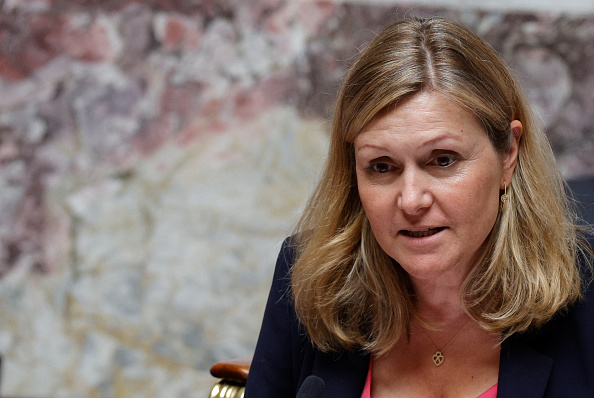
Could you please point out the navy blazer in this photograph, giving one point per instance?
(556, 360)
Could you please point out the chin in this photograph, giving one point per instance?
(434, 272)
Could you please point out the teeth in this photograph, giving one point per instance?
(422, 233)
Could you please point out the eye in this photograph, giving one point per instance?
(380, 167)
(444, 160)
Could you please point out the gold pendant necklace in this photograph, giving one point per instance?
(438, 357)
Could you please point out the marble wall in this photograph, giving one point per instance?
(154, 154)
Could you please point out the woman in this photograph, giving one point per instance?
(438, 256)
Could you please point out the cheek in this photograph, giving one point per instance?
(370, 202)
(378, 207)
(365, 193)
(475, 203)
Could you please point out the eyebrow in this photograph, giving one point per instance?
(443, 137)
(440, 137)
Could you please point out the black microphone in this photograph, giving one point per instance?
(312, 387)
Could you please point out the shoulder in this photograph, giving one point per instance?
(578, 319)
(280, 292)
(566, 342)
(280, 299)
(272, 372)
(286, 258)
(285, 356)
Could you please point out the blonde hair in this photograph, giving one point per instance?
(348, 292)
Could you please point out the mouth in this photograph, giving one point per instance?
(421, 233)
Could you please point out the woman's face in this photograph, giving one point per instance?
(429, 180)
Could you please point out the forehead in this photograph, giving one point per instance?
(429, 114)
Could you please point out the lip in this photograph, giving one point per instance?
(422, 234)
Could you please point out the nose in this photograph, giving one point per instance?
(414, 197)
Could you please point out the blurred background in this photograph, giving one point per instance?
(154, 154)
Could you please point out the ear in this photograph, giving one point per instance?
(510, 159)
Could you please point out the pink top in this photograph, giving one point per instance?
(490, 393)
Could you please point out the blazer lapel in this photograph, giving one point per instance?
(523, 371)
(344, 376)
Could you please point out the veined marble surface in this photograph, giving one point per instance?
(153, 156)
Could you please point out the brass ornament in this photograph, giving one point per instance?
(505, 196)
(438, 358)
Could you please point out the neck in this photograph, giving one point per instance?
(439, 304)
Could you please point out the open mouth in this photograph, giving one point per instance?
(422, 233)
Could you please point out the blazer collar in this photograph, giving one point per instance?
(344, 375)
(523, 371)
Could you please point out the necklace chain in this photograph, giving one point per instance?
(438, 357)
